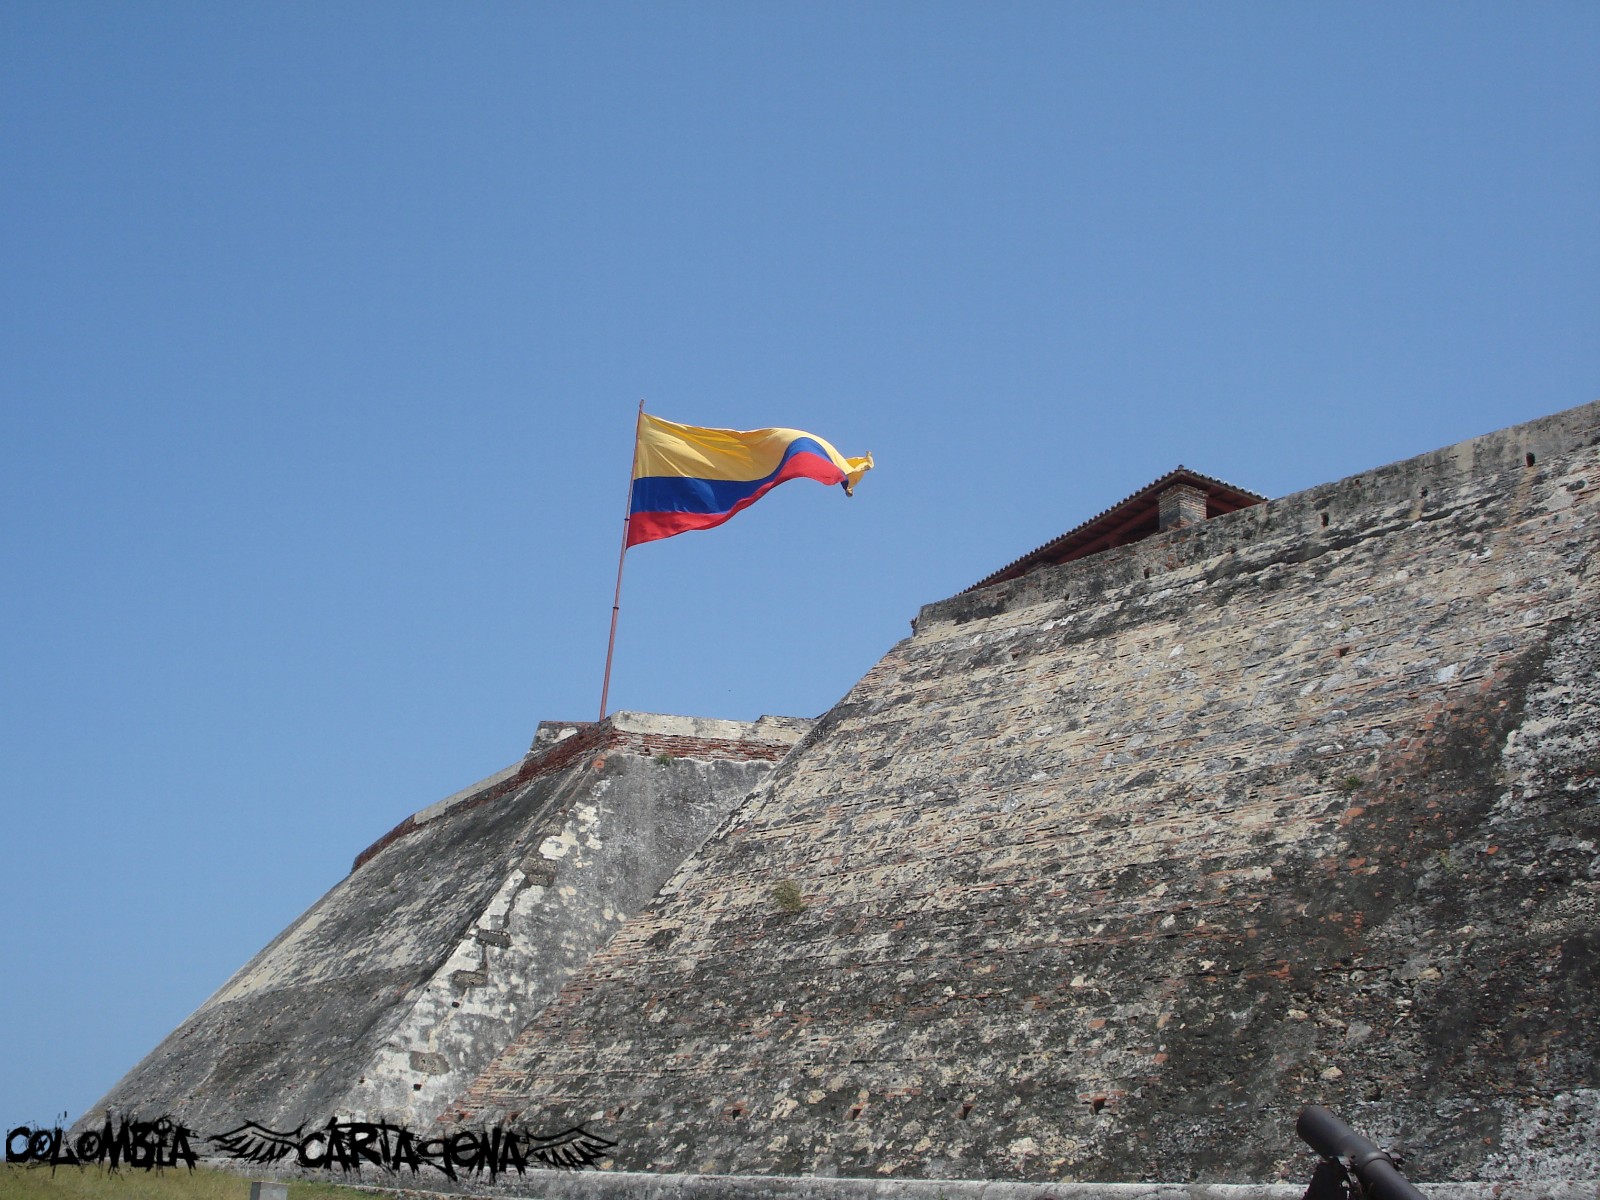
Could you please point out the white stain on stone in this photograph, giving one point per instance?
(559, 845)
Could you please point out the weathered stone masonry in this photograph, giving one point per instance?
(396, 988)
(1110, 868)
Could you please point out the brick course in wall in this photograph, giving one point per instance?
(1108, 869)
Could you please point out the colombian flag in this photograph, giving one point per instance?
(686, 477)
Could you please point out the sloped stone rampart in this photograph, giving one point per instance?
(1109, 869)
(449, 935)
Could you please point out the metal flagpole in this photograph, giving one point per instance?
(616, 601)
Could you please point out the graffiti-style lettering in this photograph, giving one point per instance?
(343, 1145)
(142, 1145)
(346, 1145)
(23, 1132)
(304, 1155)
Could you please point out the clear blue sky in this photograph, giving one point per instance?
(323, 325)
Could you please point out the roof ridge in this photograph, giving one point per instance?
(1003, 572)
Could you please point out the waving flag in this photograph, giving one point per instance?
(686, 477)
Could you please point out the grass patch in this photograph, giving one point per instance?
(33, 1182)
(788, 897)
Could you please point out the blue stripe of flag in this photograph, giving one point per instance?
(670, 493)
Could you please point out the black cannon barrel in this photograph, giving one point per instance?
(1332, 1138)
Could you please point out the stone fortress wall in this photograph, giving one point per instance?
(1102, 874)
(1109, 869)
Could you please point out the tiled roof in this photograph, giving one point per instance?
(1128, 520)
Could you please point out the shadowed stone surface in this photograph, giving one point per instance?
(1109, 869)
(453, 930)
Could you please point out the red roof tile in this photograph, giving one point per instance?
(1129, 520)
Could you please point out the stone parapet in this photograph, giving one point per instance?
(558, 743)
(1423, 488)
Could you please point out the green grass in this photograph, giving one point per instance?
(788, 896)
(173, 1183)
